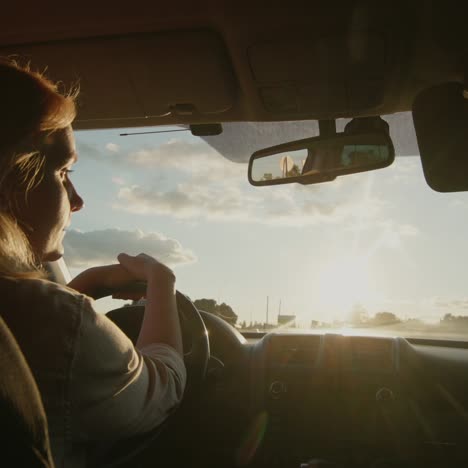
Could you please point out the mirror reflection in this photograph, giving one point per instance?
(327, 156)
(337, 155)
(280, 166)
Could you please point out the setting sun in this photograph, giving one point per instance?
(343, 283)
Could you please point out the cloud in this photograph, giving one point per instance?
(458, 204)
(280, 206)
(193, 158)
(217, 189)
(112, 147)
(406, 170)
(461, 303)
(95, 152)
(393, 233)
(87, 150)
(214, 188)
(118, 180)
(211, 187)
(102, 247)
(188, 201)
(408, 230)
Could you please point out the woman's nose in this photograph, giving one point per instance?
(76, 202)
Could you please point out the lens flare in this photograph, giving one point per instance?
(252, 439)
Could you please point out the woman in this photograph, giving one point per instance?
(95, 385)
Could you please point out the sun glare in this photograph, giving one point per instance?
(343, 283)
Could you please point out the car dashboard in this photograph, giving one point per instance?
(310, 400)
(357, 401)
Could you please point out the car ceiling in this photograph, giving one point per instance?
(199, 62)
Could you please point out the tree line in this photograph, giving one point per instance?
(359, 317)
(222, 310)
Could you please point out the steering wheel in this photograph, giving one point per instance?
(196, 358)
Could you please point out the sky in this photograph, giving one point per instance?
(381, 239)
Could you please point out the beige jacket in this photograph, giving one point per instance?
(94, 384)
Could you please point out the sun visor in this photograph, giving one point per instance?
(337, 74)
(185, 73)
(139, 76)
(440, 117)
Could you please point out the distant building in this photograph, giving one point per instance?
(288, 320)
(140, 302)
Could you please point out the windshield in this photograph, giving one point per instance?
(376, 252)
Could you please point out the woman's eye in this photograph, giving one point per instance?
(66, 172)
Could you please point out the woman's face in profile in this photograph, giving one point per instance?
(45, 213)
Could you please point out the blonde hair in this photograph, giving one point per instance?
(32, 107)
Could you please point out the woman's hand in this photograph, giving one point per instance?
(117, 280)
(161, 320)
(145, 268)
(106, 280)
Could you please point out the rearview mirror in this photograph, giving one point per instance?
(321, 159)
